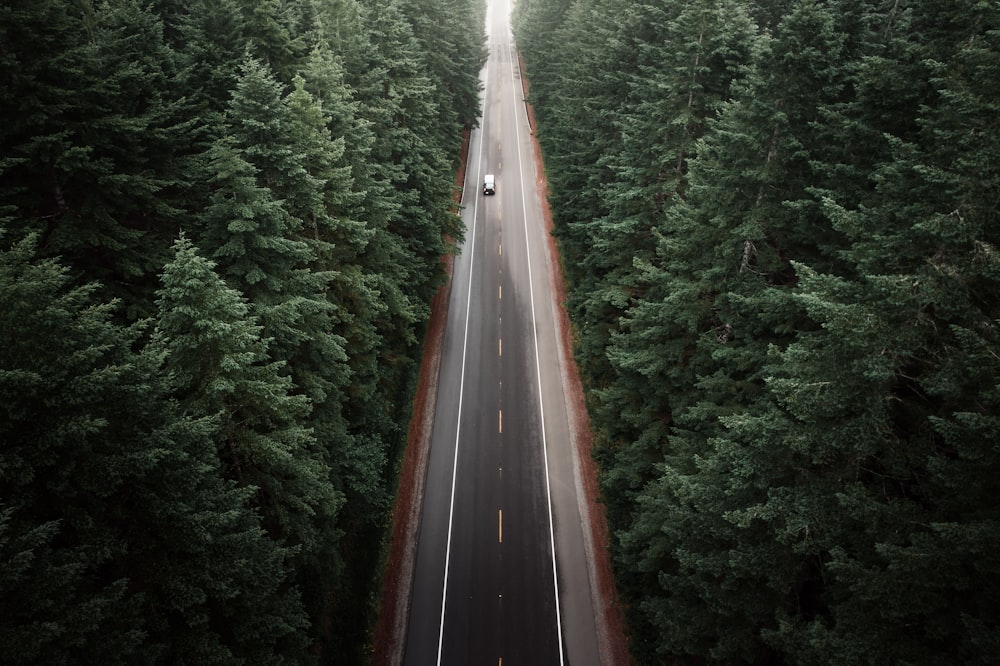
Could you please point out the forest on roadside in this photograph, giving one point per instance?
(780, 224)
(221, 226)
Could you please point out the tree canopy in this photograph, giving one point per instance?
(779, 225)
(221, 225)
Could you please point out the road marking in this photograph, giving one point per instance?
(500, 412)
(500, 347)
(451, 512)
(515, 76)
(500, 523)
(500, 292)
(461, 395)
(500, 249)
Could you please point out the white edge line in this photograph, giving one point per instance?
(538, 369)
(461, 385)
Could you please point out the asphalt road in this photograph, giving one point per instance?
(501, 572)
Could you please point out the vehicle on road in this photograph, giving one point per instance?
(489, 184)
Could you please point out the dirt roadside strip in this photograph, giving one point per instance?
(388, 640)
(389, 635)
(610, 618)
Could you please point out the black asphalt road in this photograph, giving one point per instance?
(501, 573)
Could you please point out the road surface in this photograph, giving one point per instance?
(501, 572)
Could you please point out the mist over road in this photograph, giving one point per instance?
(501, 571)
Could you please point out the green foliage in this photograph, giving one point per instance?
(778, 221)
(91, 135)
(454, 53)
(124, 542)
(218, 365)
(211, 484)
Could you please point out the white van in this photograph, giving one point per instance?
(489, 184)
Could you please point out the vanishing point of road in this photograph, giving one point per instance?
(501, 572)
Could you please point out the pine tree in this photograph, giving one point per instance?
(534, 23)
(341, 244)
(374, 201)
(211, 43)
(401, 103)
(674, 94)
(452, 41)
(735, 491)
(308, 150)
(577, 129)
(124, 542)
(293, 301)
(266, 252)
(244, 229)
(219, 367)
(52, 609)
(810, 343)
(94, 134)
(920, 240)
(272, 35)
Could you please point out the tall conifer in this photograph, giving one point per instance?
(127, 545)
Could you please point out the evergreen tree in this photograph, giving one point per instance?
(93, 136)
(534, 23)
(374, 202)
(577, 129)
(219, 367)
(125, 544)
(728, 258)
(267, 252)
(920, 242)
(308, 147)
(674, 94)
(54, 605)
(401, 103)
(790, 344)
(341, 243)
(211, 44)
(451, 38)
(272, 33)
(293, 298)
(249, 233)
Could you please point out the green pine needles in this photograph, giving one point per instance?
(779, 223)
(219, 239)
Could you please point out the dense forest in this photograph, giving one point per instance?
(780, 222)
(221, 225)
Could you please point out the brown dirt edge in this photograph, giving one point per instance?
(611, 628)
(389, 635)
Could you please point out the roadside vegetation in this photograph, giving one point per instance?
(221, 225)
(779, 222)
